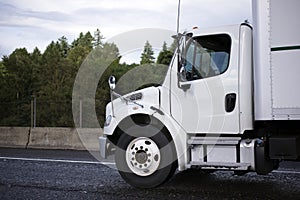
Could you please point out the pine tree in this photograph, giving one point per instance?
(97, 38)
(18, 88)
(164, 47)
(165, 56)
(64, 46)
(147, 55)
(36, 58)
(173, 46)
(84, 40)
(19, 68)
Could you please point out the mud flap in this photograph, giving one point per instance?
(263, 165)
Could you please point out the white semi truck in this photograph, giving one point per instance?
(230, 101)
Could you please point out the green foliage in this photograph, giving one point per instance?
(97, 38)
(63, 46)
(173, 46)
(84, 40)
(141, 76)
(18, 67)
(16, 87)
(50, 76)
(147, 55)
(165, 56)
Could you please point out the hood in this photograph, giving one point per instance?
(141, 98)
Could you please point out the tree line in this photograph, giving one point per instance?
(48, 78)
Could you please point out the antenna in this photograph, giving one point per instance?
(178, 37)
(178, 16)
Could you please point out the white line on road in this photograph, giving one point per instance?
(54, 160)
(285, 172)
(105, 163)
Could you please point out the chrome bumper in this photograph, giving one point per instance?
(103, 144)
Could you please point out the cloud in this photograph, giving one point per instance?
(209, 13)
(32, 23)
(29, 36)
(130, 18)
(21, 27)
(11, 13)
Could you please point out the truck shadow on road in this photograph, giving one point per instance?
(227, 185)
(196, 184)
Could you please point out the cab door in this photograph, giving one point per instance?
(204, 89)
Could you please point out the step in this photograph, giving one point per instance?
(214, 140)
(220, 166)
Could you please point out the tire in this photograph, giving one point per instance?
(145, 157)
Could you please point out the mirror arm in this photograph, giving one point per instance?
(112, 104)
(112, 85)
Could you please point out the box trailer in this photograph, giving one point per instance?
(230, 101)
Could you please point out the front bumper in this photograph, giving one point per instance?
(103, 146)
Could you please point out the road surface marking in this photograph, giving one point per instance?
(104, 163)
(285, 172)
(55, 160)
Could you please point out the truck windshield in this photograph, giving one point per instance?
(207, 56)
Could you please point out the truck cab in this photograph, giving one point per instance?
(206, 112)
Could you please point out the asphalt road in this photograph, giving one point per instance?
(53, 174)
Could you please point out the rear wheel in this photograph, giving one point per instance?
(145, 157)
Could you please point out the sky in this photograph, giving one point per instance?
(35, 23)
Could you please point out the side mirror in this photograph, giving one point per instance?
(112, 82)
(182, 80)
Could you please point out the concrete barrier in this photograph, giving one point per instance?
(89, 137)
(50, 138)
(15, 137)
(64, 138)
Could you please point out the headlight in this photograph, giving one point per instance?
(108, 120)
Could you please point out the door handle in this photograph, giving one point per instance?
(230, 101)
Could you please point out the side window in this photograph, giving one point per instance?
(207, 56)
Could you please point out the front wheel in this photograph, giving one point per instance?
(145, 157)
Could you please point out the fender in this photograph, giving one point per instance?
(153, 110)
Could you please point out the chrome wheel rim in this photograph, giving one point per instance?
(143, 156)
